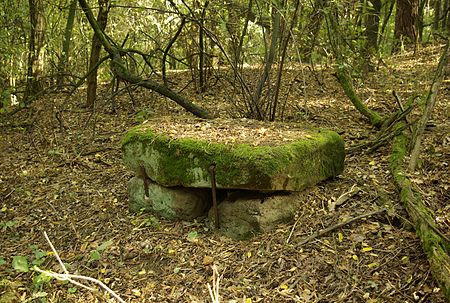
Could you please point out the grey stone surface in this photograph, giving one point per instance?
(249, 215)
(168, 202)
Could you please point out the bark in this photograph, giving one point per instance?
(372, 25)
(102, 19)
(66, 43)
(444, 15)
(371, 33)
(345, 81)
(429, 105)
(437, 14)
(434, 243)
(201, 56)
(119, 68)
(35, 49)
(406, 21)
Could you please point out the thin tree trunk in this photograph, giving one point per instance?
(284, 47)
(201, 56)
(102, 19)
(66, 43)
(35, 49)
(437, 14)
(257, 109)
(372, 25)
(371, 33)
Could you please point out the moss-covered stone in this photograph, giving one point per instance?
(185, 162)
(169, 202)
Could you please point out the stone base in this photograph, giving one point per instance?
(168, 202)
(245, 216)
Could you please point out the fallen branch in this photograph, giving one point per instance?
(434, 243)
(120, 70)
(70, 278)
(346, 83)
(429, 105)
(337, 226)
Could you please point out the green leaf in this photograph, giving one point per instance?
(41, 279)
(72, 290)
(2, 261)
(192, 236)
(10, 224)
(20, 264)
(104, 245)
(95, 255)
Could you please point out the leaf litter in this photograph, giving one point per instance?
(65, 176)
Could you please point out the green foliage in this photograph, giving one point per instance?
(96, 254)
(4, 225)
(39, 255)
(20, 264)
(192, 236)
(143, 115)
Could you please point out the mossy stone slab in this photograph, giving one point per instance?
(315, 156)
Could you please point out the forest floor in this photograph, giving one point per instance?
(62, 173)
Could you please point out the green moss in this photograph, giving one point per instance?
(186, 161)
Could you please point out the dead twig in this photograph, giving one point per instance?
(66, 276)
(339, 225)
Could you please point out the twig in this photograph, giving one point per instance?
(292, 231)
(339, 225)
(214, 289)
(344, 197)
(69, 277)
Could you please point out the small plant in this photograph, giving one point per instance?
(7, 225)
(96, 254)
(20, 264)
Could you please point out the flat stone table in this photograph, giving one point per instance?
(247, 154)
(256, 165)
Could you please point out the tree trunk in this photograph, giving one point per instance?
(312, 29)
(35, 49)
(371, 33)
(406, 21)
(102, 19)
(444, 15)
(420, 25)
(201, 55)
(437, 14)
(66, 43)
(372, 25)
(434, 243)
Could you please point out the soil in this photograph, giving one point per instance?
(61, 173)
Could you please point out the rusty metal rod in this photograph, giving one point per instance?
(212, 172)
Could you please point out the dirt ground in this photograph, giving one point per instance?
(61, 173)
